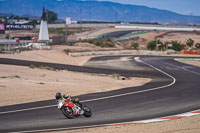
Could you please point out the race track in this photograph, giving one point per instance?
(173, 90)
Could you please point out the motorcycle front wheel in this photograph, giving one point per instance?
(68, 112)
(87, 111)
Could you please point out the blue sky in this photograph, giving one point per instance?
(186, 7)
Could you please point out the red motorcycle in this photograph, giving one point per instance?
(71, 109)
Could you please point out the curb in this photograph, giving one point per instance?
(173, 117)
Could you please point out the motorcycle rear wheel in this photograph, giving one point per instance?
(87, 111)
(68, 112)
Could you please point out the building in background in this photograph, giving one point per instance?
(20, 21)
(2, 29)
(69, 21)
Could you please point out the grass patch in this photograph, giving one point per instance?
(42, 67)
(16, 76)
(2, 47)
(107, 42)
(47, 68)
(41, 83)
(32, 66)
(66, 31)
(3, 77)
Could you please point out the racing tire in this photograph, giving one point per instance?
(68, 112)
(87, 111)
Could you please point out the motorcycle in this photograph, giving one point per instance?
(71, 110)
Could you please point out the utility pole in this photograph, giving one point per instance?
(81, 18)
(116, 15)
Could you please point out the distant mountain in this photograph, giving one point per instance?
(30, 16)
(5, 15)
(96, 11)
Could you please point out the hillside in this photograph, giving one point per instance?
(95, 11)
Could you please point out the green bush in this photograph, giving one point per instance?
(135, 45)
(102, 43)
(32, 66)
(98, 43)
(177, 46)
(152, 45)
(91, 41)
(197, 45)
(190, 42)
(3, 77)
(16, 76)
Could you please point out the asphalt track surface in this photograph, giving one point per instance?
(116, 34)
(173, 90)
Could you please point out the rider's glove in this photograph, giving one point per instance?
(76, 100)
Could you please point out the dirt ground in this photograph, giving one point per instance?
(191, 62)
(19, 82)
(143, 40)
(24, 84)
(56, 55)
(181, 37)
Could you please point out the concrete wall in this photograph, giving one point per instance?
(120, 52)
(152, 27)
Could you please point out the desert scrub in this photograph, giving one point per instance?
(46, 68)
(42, 67)
(16, 76)
(32, 66)
(3, 77)
(41, 83)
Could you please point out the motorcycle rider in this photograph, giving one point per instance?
(65, 97)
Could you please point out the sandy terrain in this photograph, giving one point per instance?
(191, 62)
(24, 84)
(143, 39)
(181, 37)
(56, 55)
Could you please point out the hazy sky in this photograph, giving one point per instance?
(187, 7)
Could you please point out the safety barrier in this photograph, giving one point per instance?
(119, 52)
(190, 52)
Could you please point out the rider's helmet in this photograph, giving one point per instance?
(66, 96)
(58, 95)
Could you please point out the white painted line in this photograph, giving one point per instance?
(112, 124)
(152, 120)
(138, 59)
(152, 89)
(157, 28)
(182, 68)
(59, 129)
(108, 97)
(188, 114)
(14, 111)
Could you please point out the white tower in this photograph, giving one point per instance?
(44, 34)
(68, 20)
